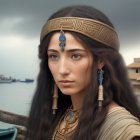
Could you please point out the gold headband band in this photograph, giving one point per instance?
(94, 29)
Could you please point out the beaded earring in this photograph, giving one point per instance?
(100, 91)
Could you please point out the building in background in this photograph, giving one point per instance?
(134, 75)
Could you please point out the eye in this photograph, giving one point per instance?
(53, 57)
(76, 56)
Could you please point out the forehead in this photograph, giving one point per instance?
(71, 42)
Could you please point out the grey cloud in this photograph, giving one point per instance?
(124, 14)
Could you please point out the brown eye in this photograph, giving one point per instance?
(53, 57)
(76, 56)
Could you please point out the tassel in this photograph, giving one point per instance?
(55, 100)
(100, 97)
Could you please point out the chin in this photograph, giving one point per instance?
(68, 92)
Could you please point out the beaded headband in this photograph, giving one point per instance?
(93, 29)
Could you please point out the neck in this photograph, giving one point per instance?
(77, 101)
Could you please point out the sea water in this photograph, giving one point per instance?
(16, 98)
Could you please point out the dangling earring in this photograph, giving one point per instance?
(55, 100)
(100, 92)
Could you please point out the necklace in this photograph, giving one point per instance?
(70, 122)
(67, 124)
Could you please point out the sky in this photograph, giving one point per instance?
(21, 22)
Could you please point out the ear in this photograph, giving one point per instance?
(100, 64)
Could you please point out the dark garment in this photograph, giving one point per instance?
(136, 138)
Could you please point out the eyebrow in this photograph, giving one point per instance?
(71, 50)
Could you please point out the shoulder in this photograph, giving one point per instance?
(120, 124)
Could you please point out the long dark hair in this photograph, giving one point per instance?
(116, 84)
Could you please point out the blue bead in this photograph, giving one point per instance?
(62, 37)
(100, 76)
(71, 114)
(61, 44)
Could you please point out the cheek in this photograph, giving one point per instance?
(52, 69)
(83, 71)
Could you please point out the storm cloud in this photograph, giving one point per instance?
(21, 22)
(27, 17)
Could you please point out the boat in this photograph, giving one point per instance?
(27, 81)
(16, 123)
(4, 79)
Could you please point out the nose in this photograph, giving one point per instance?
(64, 67)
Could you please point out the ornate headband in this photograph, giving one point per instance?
(94, 29)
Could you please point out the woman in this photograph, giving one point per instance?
(83, 90)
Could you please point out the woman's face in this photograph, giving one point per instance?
(71, 69)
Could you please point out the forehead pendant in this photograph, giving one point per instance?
(62, 40)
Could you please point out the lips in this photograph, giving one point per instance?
(66, 82)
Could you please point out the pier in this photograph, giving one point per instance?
(19, 121)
